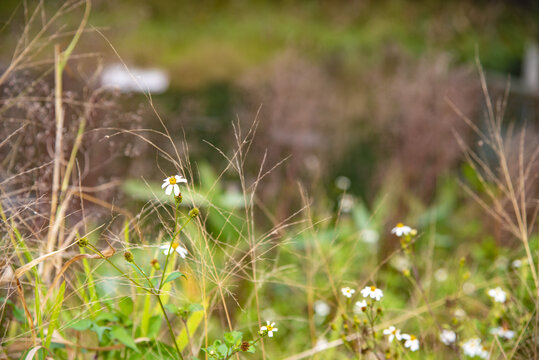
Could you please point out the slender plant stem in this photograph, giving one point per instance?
(95, 250)
(173, 337)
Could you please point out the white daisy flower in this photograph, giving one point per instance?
(321, 308)
(346, 291)
(269, 328)
(503, 332)
(174, 248)
(393, 333)
(171, 183)
(498, 294)
(373, 292)
(411, 342)
(516, 263)
(360, 306)
(473, 347)
(448, 337)
(401, 230)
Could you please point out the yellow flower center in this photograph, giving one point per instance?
(399, 225)
(175, 245)
(394, 332)
(412, 337)
(373, 288)
(269, 327)
(172, 180)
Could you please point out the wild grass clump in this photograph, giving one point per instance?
(188, 268)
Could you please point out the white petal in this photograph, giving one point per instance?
(168, 191)
(165, 246)
(270, 333)
(164, 184)
(263, 328)
(275, 329)
(176, 190)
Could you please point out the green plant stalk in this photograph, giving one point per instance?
(169, 326)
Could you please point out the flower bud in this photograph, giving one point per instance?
(155, 264)
(128, 256)
(194, 212)
(83, 242)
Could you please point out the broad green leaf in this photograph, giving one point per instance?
(106, 316)
(120, 334)
(173, 276)
(233, 337)
(99, 330)
(126, 306)
(81, 325)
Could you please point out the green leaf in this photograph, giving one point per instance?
(155, 325)
(126, 306)
(106, 316)
(99, 330)
(233, 337)
(120, 334)
(81, 325)
(173, 276)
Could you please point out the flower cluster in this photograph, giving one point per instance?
(410, 341)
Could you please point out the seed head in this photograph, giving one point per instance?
(83, 242)
(128, 256)
(194, 212)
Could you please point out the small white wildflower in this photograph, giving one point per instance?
(441, 275)
(516, 263)
(392, 333)
(346, 291)
(448, 336)
(360, 306)
(343, 183)
(401, 230)
(411, 342)
(373, 292)
(369, 236)
(269, 328)
(503, 332)
(171, 183)
(346, 203)
(174, 248)
(459, 313)
(321, 308)
(473, 347)
(498, 294)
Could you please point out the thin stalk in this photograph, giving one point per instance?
(95, 250)
(169, 327)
